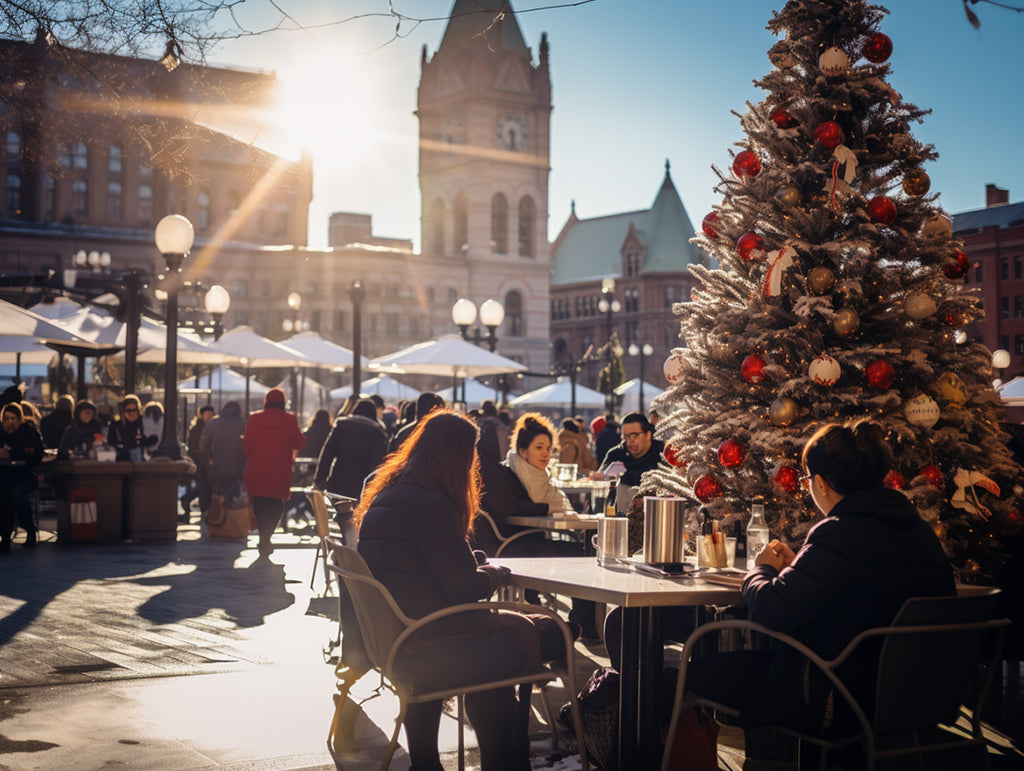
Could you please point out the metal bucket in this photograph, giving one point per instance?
(664, 520)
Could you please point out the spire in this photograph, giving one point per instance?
(491, 20)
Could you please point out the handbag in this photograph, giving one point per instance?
(599, 712)
(695, 747)
(230, 519)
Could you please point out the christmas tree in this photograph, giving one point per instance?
(839, 294)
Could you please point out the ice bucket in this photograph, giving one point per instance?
(663, 529)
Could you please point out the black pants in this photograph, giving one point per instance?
(268, 513)
(676, 624)
(16, 504)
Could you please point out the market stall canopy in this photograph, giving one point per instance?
(630, 393)
(389, 389)
(256, 351)
(323, 352)
(559, 394)
(448, 356)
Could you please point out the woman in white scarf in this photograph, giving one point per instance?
(528, 458)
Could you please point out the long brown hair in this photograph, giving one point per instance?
(440, 455)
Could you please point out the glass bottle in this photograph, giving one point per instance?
(757, 531)
(609, 504)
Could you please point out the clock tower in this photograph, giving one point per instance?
(484, 109)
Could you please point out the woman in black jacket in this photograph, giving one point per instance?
(414, 519)
(22, 449)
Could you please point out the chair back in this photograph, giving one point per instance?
(924, 676)
(380, 618)
(323, 517)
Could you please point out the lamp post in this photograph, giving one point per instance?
(217, 302)
(609, 306)
(98, 261)
(356, 294)
(492, 314)
(643, 352)
(174, 236)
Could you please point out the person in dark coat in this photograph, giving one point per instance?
(854, 571)
(638, 451)
(79, 436)
(606, 438)
(414, 519)
(126, 434)
(199, 487)
(221, 446)
(271, 441)
(317, 431)
(425, 402)
(356, 446)
(22, 448)
(52, 426)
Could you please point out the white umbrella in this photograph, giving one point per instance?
(257, 351)
(322, 352)
(22, 332)
(226, 385)
(1011, 393)
(389, 389)
(447, 356)
(476, 392)
(313, 394)
(630, 393)
(559, 394)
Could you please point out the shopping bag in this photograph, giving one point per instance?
(695, 745)
(230, 519)
(84, 525)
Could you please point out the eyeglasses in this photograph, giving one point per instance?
(636, 435)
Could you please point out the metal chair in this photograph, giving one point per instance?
(929, 666)
(503, 540)
(385, 628)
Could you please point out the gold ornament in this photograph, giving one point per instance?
(789, 195)
(937, 228)
(916, 182)
(821, 280)
(919, 306)
(783, 411)
(846, 322)
(951, 389)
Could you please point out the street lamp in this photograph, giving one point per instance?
(98, 261)
(173, 236)
(492, 314)
(609, 306)
(217, 302)
(643, 352)
(294, 323)
(357, 294)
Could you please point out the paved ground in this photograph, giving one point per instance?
(193, 655)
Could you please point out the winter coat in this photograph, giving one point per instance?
(24, 445)
(354, 448)
(78, 437)
(221, 443)
(52, 427)
(538, 485)
(127, 435)
(315, 435)
(272, 436)
(410, 539)
(573, 448)
(635, 467)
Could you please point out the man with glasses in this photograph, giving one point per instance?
(638, 451)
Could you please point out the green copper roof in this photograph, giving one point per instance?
(470, 18)
(590, 249)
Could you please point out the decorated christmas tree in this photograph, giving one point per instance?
(839, 293)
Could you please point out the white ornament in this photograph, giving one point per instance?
(922, 411)
(778, 262)
(824, 370)
(675, 367)
(937, 228)
(1001, 358)
(919, 306)
(834, 62)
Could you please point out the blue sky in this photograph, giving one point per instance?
(635, 82)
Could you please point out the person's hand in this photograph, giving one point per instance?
(787, 554)
(497, 574)
(770, 557)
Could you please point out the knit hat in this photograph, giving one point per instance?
(274, 396)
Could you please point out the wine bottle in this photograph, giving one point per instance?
(609, 504)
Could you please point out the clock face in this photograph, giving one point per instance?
(512, 133)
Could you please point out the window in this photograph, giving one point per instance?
(499, 224)
(430, 295)
(13, 150)
(460, 222)
(670, 296)
(115, 199)
(979, 273)
(1004, 342)
(1004, 306)
(1004, 269)
(632, 297)
(453, 295)
(340, 318)
(282, 213)
(64, 155)
(80, 156)
(1018, 306)
(391, 324)
(13, 196)
(514, 326)
(114, 160)
(203, 215)
(632, 263)
(240, 289)
(527, 224)
(146, 207)
(316, 320)
(1018, 266)
(671, 336)
(1018, 343)
(49, 198)
(80, 198)
(435, 228)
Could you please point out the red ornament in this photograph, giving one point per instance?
(882, 210)
(954, 317)
(672, 456)
(879, 374)
(750, 246)
(878, 48)
(934, 476)
(746, 164)
(1013, 515)
(706, 488)
(958, 267)
(752, 368)
(788, 478)
(708, 225)
(732, 453)
(829, 135)
(894, 480)
(780, 117)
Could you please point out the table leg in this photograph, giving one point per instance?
(629, 679)
(640, 689)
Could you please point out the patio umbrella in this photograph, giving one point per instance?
(448, 355)
(312, 395)
(630, 394)
(476, 392)
(321, 352)
(227, 385)
(559, 394)
(254, 350)
(389, 389)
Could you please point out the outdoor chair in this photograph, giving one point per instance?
(503, 540)
(939, 654)
(385, 628)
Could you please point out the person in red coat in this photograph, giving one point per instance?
(271, 441)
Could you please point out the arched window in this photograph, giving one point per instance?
(514, 323)
(146, 207)
(115, 198)
(527, 222)
(80, 198)
(203, 218)
(499, 224)
(460, 222)
(13, 149)
(435, 228)
(114, 160)
(80, 156)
